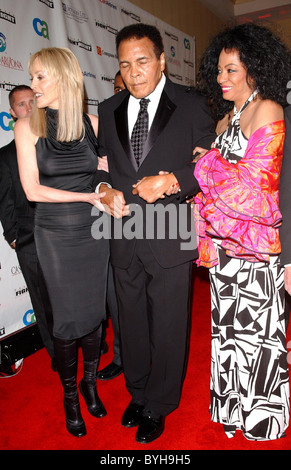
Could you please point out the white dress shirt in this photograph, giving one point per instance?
(134, 107)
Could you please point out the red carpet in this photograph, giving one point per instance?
(32, 416)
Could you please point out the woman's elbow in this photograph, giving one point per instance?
(31, 195)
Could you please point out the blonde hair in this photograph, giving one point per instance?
(63, 66)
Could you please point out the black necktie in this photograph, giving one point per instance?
(140, 130)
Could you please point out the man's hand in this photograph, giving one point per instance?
(287, 279)
(152, 188)
(114, 202)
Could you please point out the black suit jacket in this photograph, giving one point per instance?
(181, 123)
(285, 193)
(16, 212)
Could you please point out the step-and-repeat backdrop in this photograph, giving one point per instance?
(88, 28)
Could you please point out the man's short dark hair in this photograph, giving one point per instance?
(139, 31)
(14, 90)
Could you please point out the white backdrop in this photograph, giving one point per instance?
(88, 28)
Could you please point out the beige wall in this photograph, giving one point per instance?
(194, 18)
(190, 16)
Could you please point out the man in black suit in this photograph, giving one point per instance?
(17, 219)
(285, 208)
(152, 266)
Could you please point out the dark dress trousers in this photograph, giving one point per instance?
(17, 219)
(153, 264)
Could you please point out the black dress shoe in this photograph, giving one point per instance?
(93, 402)
(110, 372)
(132, 415)
(149, 429)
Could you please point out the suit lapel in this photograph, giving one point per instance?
(164, 112)
(121, 123)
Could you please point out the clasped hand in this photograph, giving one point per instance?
(152, 188)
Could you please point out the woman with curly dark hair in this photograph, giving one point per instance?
(245, 70)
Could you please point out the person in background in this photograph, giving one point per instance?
(57, 159)
(245, 68)
(152, 276)
(118, 83)
(114, 369)
(17, 219)
(284, 204)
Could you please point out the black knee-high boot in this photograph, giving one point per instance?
(91, 353)
(66, 354)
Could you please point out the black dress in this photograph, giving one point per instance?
(74, 264)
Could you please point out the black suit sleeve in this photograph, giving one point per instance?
(285, 194)
(204, 136)
(7, 199)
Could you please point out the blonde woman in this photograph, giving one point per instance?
(57, 159)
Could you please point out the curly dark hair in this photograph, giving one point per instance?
(266, 58)
(139, 31)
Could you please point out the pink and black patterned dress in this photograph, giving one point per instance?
(237, 219)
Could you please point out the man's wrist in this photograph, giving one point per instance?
(99, 189)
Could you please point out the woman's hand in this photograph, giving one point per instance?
(94, 199)
(198, 153)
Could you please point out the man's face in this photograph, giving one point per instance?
(140, 69)
(22, 104)
(118, 84)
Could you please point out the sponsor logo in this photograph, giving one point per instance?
(133, 16)
(2, 42)
(109, 4)
(7, 17)
(73, 14)
(48, 3)
(40, 27)
(6, 86)
(29, 317)
(11, 63)
(176, 76)
(92, 102)
(101, 52)
(89, 75)
(106, 27)
(189, 63)
(172, 36)
(15, 270)
(173, 61)
(20, 291)
(104, 78)
(187, 44)
(81, 44)
(6, 121)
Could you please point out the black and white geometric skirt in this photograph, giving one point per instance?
(249, 369)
